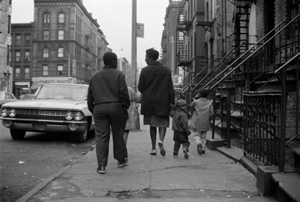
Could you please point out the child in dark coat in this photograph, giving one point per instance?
(181, 129)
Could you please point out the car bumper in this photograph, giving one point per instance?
(45, 125)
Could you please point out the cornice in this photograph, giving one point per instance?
(55, 3)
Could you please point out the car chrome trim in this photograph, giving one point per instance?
(42, 120)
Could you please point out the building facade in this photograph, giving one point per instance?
(168, 42)
(252, 70)
(68, 44)
(21, 57)
(6, 73)
(125, 67)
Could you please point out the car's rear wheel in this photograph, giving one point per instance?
(82, 136)
(17, 134)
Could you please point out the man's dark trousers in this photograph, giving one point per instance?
(110, 116)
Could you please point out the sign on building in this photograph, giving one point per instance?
(140, 30)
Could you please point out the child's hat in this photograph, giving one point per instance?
(179, 103)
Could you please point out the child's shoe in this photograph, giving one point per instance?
(199, 149)
(185, 153)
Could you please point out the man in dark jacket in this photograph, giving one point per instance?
(108, 100)
(156, 86)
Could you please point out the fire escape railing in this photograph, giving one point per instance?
(264, 107)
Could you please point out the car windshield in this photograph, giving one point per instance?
(1, 95)
(73, 92)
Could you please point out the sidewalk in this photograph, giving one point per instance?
(209, 177)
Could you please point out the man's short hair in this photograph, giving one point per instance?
(152, 53)
(109, 57)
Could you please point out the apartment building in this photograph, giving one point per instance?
(6, 73)
(21, 57)
(125, 67)
(68, 43)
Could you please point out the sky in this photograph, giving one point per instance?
(114, 18)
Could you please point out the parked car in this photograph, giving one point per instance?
(59, 108)
(27, 97)
(6, 97)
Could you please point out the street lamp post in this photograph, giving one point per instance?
(69, 65)
(171, 38)
(134, 44)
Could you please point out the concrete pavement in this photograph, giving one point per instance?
(209, 177)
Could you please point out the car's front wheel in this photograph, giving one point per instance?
(17, 134)
(82, 136)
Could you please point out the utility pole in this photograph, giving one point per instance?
(134, 45)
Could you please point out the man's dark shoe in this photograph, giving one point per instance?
(123, 163)
(101, 170)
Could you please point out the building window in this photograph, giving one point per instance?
(7, 55)
(45, 53)
(61, 18)
(18, 39)
(46, 35)
(27, 56)
(27, 71)
(27, 39)
(8, 24)
(60, 70)
(45, 70)
(18, 72)
(18, 55)
(60, 52)
(46, 18)
(61, 34)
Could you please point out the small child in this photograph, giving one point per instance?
(181, 129)
(202, 113)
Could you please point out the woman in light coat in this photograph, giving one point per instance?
(133, 114)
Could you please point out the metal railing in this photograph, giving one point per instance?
(262, 79)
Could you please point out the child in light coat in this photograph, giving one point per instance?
(202, 113)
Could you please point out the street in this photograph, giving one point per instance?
(26, 163)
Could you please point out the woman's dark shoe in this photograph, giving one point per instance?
(101, 170)
(162, 149)
(153, 152)
(199, 149)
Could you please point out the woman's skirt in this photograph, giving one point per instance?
(156, 121)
